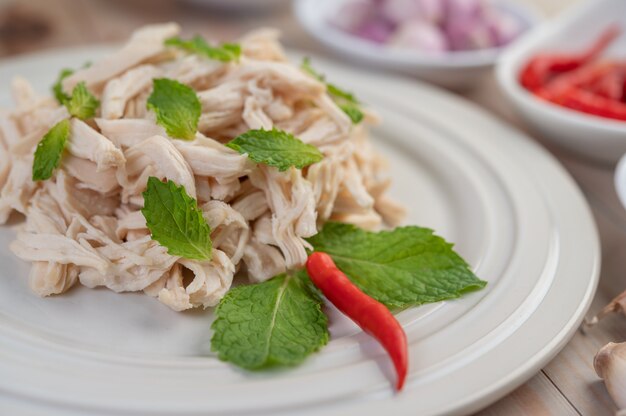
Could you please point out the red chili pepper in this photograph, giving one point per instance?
(590, 103)
(611, 85)
(584, 76)
(539, 70)
(372, 316)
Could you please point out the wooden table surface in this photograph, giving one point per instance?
(566, 386)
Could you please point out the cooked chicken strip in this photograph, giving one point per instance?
(129, 132)
(369, 220)
(210, 158)
(9, 131)
(254, 115)
(129, 221)
(326, 178)
(121, 89)
(76, 201)
(48, 278)
(281, 77)
(87, 143)
(144, 43)
(263, 261)
(170, 290)
(88, 175)
(26, 144)
(391, 211)
(224, 189)
(18, 189)
(23, 92)
(212, 279)
(166, 159)
(292, 203)
(251, 206)
(194, 69)
(218, 213)
(56, 248)
(262, 44)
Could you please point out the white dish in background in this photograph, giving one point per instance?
(510, 208)
(594, 137)
(620, 180)
(455, 70)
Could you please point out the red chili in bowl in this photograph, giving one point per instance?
(580, 81)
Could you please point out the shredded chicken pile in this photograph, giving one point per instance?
(85, 224)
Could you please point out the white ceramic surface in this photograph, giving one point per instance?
(590, 136)
(456, 70)
(620, 180)
(513, 212)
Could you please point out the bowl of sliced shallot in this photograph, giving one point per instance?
(451, 43)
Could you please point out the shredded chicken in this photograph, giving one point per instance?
(84, 225)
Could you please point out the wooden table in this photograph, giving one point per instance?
(566, 386)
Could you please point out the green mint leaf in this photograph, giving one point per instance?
(82, 103)
(57, 87)
(275, 323)
(49, 151)
(341, 95)
(276, 148)
(344, 99)
(176, 106)
(225, 52)
(404, 267)
(353, 111)
(308, 68)
(175, 221)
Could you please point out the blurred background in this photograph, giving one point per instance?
(28, 26)
(32, 25)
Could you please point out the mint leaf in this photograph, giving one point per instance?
(82, 103)
(275, 323)
(176, 106)
(404, 267)
(306, 67)
(353, 111)
(225, 52)
(341, 95)
(344, 99)
(175, 221)
(276, 148)
(57, 87)
(49, 151)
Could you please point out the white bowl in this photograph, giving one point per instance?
(594, 137)
(454, 70)
(620, 180)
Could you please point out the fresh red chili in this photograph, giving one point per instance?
(574, 81)
(372, 316)
(612, 85)
(540, 69)
(586, 75)
(590, 103)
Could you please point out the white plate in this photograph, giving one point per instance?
(512, 211)
(594, 137)
(456, 70)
